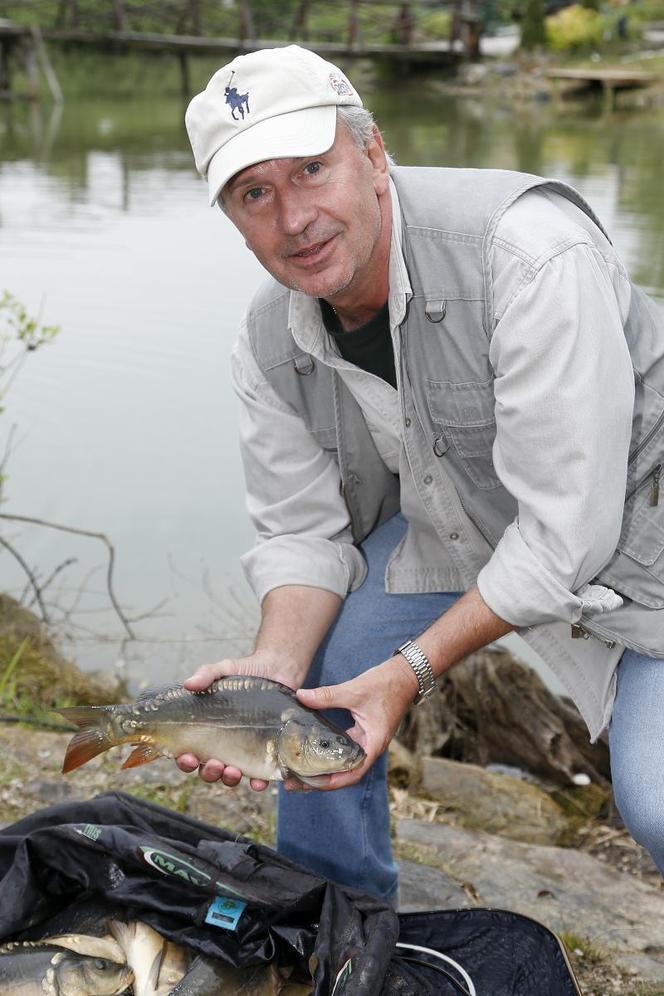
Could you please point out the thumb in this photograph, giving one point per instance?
(206, 674)
(325, 697)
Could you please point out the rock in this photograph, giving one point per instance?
(473, 73)
(491, 708)
(424, 888)
(565, 889)
(404, 767)
(494, 802)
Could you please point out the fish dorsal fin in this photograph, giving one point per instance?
(143, 754)
(162, 692)
(155, 968)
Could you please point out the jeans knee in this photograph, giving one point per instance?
(642, 811)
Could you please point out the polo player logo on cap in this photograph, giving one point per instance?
(237, 101)
(340, 85)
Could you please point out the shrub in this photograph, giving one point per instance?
(574, 28)
(434, 25)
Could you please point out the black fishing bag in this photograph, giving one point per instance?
(224, 896)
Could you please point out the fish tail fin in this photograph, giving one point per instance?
(90, 740)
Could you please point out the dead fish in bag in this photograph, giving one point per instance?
(253, 723)
(212, 977)
(33, 969)
(157, 964)
(102, 946)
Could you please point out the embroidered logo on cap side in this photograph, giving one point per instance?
(340, 85)
(236, 101)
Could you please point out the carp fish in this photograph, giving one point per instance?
(156, 963)
(32, 969)
(211, 977)
(253, 723)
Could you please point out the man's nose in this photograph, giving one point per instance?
(296, 212)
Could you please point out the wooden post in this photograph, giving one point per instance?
(31, 71)
(352, 23)
(185, 84)
(119, 16)
(299, 27)
(189, 20)
(46, 65)
(471, 28)
(5, 68)
(247, 30)
(67, 8)
(195, 16)
(403, 25)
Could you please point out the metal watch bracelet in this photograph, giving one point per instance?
(419, 662)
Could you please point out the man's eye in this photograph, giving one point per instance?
(254, 194)
(312, 168)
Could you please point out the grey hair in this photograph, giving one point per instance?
(360, 124)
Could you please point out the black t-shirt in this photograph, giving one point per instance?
(369, 346)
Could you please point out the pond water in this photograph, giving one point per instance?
(125, 425)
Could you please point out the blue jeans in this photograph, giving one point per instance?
(636, 738)
(345, 835)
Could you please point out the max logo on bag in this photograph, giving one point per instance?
(172, 864)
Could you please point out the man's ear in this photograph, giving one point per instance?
(378, 159)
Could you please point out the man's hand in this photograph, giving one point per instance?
(259, 664)
(284, 649)
(377, 700)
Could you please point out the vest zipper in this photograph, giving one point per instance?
(644, 442)
(655, 474)
(579, 632)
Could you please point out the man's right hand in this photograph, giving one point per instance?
(294, 619)
(259, 664)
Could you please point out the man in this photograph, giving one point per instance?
(452, 426)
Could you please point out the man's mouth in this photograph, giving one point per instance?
(315, 249)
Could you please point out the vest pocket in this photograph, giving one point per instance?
(637, 570)
(465, 415)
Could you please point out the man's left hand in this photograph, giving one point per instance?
(377, 700)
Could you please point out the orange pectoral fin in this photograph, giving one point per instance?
(143, 754)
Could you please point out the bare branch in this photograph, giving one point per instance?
(151, 613)
(33, 580)
(52, 576)
(7, 453)
(83, 532)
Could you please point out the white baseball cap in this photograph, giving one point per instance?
(271, 104)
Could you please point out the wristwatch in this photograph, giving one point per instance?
(419, 662)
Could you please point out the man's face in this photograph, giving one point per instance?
(319, 225)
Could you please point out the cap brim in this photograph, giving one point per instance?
(308, 132)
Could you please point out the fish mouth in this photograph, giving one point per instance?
(356, 757)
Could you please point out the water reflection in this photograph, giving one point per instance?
(127, 423)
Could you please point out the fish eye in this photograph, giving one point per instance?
(102, 964)
(323, 743)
